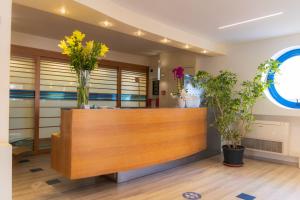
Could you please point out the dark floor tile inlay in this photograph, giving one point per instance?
(53, 181)
(191, 195)
(36, 169)
(246, 196)
(24, 161)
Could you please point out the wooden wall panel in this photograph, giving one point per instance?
(36, 143)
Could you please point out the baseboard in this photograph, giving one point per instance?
(270, 157)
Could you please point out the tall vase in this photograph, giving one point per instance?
(83, 88)
(180, 103)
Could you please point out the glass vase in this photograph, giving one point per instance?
(181, 103)
(83, 89)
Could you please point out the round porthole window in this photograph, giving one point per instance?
(286, 88)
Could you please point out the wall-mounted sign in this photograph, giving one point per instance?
(155, 87)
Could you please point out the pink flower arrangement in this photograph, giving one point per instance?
(178, 72)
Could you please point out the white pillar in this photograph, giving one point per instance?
(5, 148)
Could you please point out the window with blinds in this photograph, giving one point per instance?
(22, 94)
(133, 89)
(103, 87)
(58, 89)
(113, 84)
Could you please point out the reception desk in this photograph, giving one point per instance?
(105, 141)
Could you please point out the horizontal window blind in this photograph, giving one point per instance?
(133, 88)
(58, 89)
(21, 103)
(103, 87)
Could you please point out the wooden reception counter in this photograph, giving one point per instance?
(104, 141)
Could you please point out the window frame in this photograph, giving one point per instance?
(282, 56)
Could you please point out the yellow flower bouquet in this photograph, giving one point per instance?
(83, 61)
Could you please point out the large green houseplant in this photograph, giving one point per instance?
(232, 105)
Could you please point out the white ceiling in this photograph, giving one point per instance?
(203, 17)
(36, 22)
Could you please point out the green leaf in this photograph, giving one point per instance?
(233, 109)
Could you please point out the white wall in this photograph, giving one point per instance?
(5, 148)
(38, 42)
(243, 59)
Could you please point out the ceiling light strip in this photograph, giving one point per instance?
(251, 20)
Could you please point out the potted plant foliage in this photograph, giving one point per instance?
(83, 61)
(232, 105)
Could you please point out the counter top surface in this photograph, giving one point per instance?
(132, 108)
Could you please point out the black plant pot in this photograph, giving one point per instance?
(233, 157)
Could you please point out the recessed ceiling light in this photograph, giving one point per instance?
(106, 24)
(139, 33)
(251, 20)
(186, 46)
(63, 10)
(165, 40)
(204, 51)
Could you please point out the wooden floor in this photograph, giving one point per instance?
(209, 177)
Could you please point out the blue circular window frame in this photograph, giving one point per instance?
(272, 90)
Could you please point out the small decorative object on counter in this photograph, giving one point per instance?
(193, 94)
(192, 101)
(181, 101)
(178, 73)
(179, 93)
(94, 107)
(83, 60)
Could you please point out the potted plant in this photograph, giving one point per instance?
(83, 60)
(179, 93)
(232, 106)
